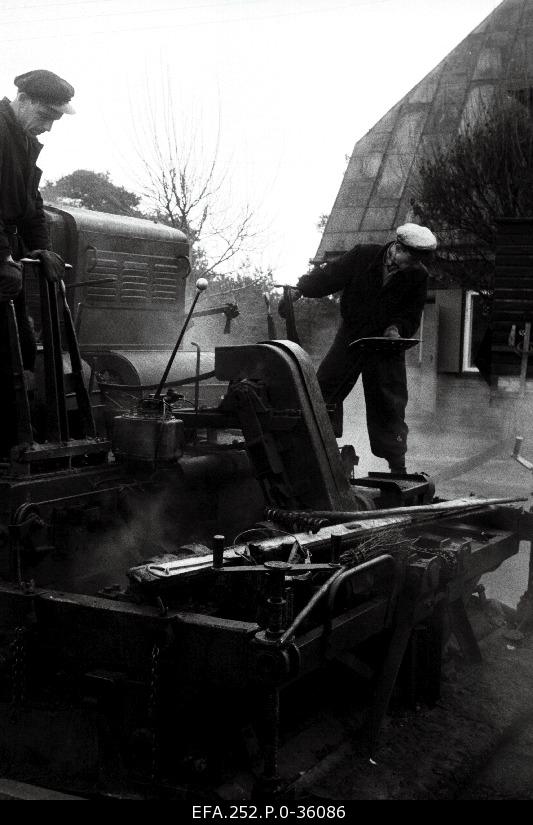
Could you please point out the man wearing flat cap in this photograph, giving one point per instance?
(384, 289)
(42, 98)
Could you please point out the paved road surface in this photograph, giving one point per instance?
(461, 432)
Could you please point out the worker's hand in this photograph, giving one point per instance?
(282, 309)
(53, 264)
(392, 332)
(10, 279)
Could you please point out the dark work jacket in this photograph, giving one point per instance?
(368, 307)
(21, 205)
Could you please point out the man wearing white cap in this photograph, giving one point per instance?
(42, 98)
(384, 289)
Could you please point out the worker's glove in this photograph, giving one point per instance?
(282, 307)
(52, 264)
(10, 279)
(392, 332)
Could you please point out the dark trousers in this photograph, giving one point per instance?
(385, 388)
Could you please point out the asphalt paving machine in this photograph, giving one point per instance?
(178, 575)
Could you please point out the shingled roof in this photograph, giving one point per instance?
(375, 193)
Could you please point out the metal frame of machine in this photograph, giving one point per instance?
(204, 635)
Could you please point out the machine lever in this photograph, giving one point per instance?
(201, 286)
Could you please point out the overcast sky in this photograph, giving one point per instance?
(294, 84)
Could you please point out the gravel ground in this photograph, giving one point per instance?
(476, 743)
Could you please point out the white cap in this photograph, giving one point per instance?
(416, 237)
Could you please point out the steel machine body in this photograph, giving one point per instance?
(172, 570)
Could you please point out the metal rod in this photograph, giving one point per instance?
(79, 312)
(516, 453)
(447, 507)
(37, 262)
(331, 587)
(313, 601)
(525, 358)
(197, 378)
(23, 418)
(201, 285)
(82, 395)
(218, 552)
(93, 282)
(53, 428)
(353, 572)
(181, 382)
(58, 361)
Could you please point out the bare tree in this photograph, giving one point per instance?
(184, 185)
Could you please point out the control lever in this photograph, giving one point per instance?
(201, 286)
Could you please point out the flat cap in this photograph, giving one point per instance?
(48, 88)
(416, 237)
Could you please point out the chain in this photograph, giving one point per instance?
(19, 667)
(153, 708)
